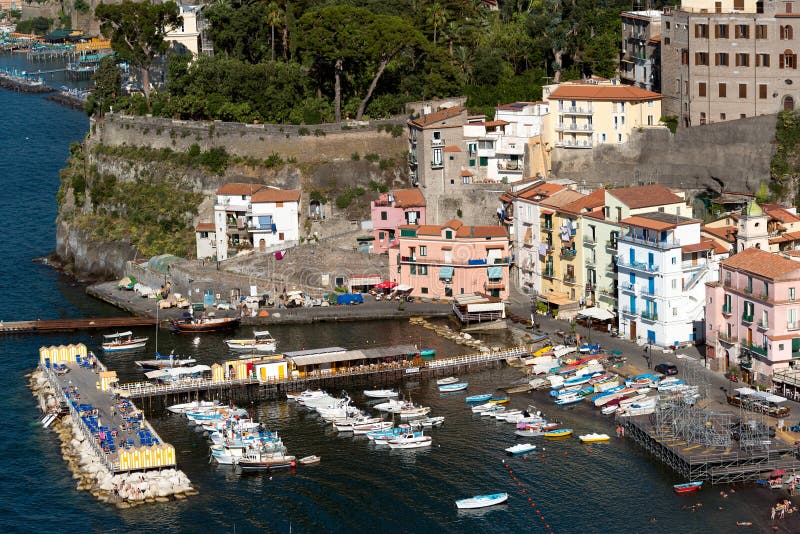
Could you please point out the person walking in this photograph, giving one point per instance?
(772, 513)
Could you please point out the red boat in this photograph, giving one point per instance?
(689, 487)
(205, 324)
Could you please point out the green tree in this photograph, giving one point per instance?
(437, 17)
(137, 31)
(274, 18)
(107, 80)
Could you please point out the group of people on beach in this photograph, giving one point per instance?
(620, 431)
(781, 509)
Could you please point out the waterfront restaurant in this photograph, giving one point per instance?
(332, 360)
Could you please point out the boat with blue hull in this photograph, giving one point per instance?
(482, 501)
(479, 398)
(458, 386)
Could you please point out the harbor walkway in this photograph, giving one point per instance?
(67, 325)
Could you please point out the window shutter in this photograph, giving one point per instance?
(782, 60)
(697, 58)
(794, 61)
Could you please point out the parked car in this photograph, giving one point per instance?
(667, 369)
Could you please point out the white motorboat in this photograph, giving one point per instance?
(520, 448)
(309, 460)
(405, 409)
(371, 427)
(428, 422)
(346, 425)
(483, 407)
(380, 393)
(445, 381)
(192, 406)
(122, 341)
(309, 393)
(482, 501)
(262, 341)
(410, 441)
(594, 438)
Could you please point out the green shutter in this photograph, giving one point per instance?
(796, 344)
(408, 232)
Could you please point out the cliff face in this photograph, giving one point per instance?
(125, 195)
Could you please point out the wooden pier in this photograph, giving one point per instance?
(255, 389)
(716, 465)
(68, 325)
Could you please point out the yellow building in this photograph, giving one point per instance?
(596, 111)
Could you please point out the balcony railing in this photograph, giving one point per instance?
(757, 349)
(747, 318)
(722, 336)
(611, 244)
(574, 127)
(425, 260)
(649, 316)
(437, 142)
(608, 291)
(726, 310)
(628, 311)
(495, 284)
(576, 110)
(589, 260)
(548, 274)
(437, 165)
(589, 240)
(568, 253)
(611, 267)
(547, 227)
(792, 325)
(639, 266)
(569, 280)
(664, 245)
(569, 143)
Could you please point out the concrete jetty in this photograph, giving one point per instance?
(109, 445)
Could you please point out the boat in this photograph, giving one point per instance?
(162, 362)
(482, 501)
(307, 394)
(689, 487)
(571, 398)
(594, 438)
(309, 460)
(258, 461)
(380, 393)
(204, 324)
(365, 428)
(520, 448)
(458, 386)
(261, 341)
(479, 398)
(445, 381)
(122, 341)
(558, 433)
(191, 406)
(410, 441)
(405, 409)
(499, 400)
(428, 422)
(427, 354)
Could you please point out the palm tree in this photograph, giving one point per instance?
(437, 16)
(274, 18)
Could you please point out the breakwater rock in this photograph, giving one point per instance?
(16, 83)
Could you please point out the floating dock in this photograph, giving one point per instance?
(68, 325)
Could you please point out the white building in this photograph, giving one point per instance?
(274, 220)
(230, 217)
(663, 267)
(188, 33)
(206, 239)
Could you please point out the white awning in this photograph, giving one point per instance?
(597, 313)
(403, 287)
(119, 334)
(177, 371)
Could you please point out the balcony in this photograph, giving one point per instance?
(589, 260)
(547, 226)
(576, 110)
(639, 266)
(573, 143)
(548, 273)
(509, 166)
(649, 316)
(611, 244)
(547, 250)
(437, 164)
(628, 311)
(747, 318)
(792, 325)
(569, 279)
(574, 127)
(722, 336)
(611, 267)
(589, 240)
(568, 253)
(437, 142)
(763, 325)
(689, 266)
(726, 309)
(755, 348)
(662, 245)
(608, 291)
(495, 284)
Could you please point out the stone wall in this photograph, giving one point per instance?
(733, 156)
(478, 204)
(305, 144)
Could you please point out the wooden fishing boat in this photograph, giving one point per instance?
(499, 400)
(257, 461)
(689, 487)
(122, 341)
(204, 324)
(558, 433)
(448, 380)
(482, 501)
(261, 341)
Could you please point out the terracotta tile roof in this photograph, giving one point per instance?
(455, 224)
(277, 195)
(408, 198)
(438, 116)
(655, 39)
(780, 213)
(726, 233)
(518, 106)
(491, 123)
(593, 200)
(239, 189)
(645, 196)
(539, 190)
(764, 264)
(785, 238)
(466, 173)
(596, 214)
(451, 148)
(704, 244)
(562, 198)
(461, 229)
(603, 92)
(644, 222)
(205, 227)
(792, 253)
(481, 231)
(427, 229)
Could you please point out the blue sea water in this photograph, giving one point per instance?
(611, 487)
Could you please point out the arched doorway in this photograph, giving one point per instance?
(262, 245)
(315, 209)
(788, 103)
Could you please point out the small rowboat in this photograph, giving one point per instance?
(479, 398)
(594, 438)
(482, 501)
(310, 460)
(448, 380)
(261, 341)
(520, 448)
(458, 386)
(380, 393)
(427, 354)
(689, 487)
(559, 433)
(123, 341)
(502, 400)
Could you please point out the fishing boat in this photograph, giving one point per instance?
(405, 409)
(571, 398)
(307, 394)
(371, 427)
(445, 381)
(499, 400)
(261, 341)
(162, 362)
(380, 393)
(309, 460)
(458, 386)
(689, 487)
(558, 433)
(594, 438)
(483, 407)
(428, 422)
(191, 406)
(204, 324)
(479, 398)
(427, 354)
(482, 501)
(122, 341)
(346, 425)
(410, 441)
(258, 461)
(520, 448)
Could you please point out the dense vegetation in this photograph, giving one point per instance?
(785, 164)
(309, 61)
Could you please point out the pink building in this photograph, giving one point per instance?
(452, 259)
(392, 210)
(752, 319)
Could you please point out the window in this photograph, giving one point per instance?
(722, 116)
(384, 216)
(424, 290)
(483, 161)
(762, 60)
(742, 90)
(413, 269)
(788, 7)
(701, 58)
(721, 31)
(738, 5)
(465, 180)
(448, 234)
(742, 60)
(788, 60)
(742, 31)
(791, 293)
(674, 312)
(766, 290)
(472, 148)
(203, 235)
(437, 136)
(761, 31)
(791, 318)
(701, 31)
(423, 250)
(787, 33)
(437, 158)
(684, 57)
(762, 90)
(619, 138)
(649, 120)
(674, 284)
(423, 269)
(721, 59)
(764, 319)
(749, 286)
(701, 89)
